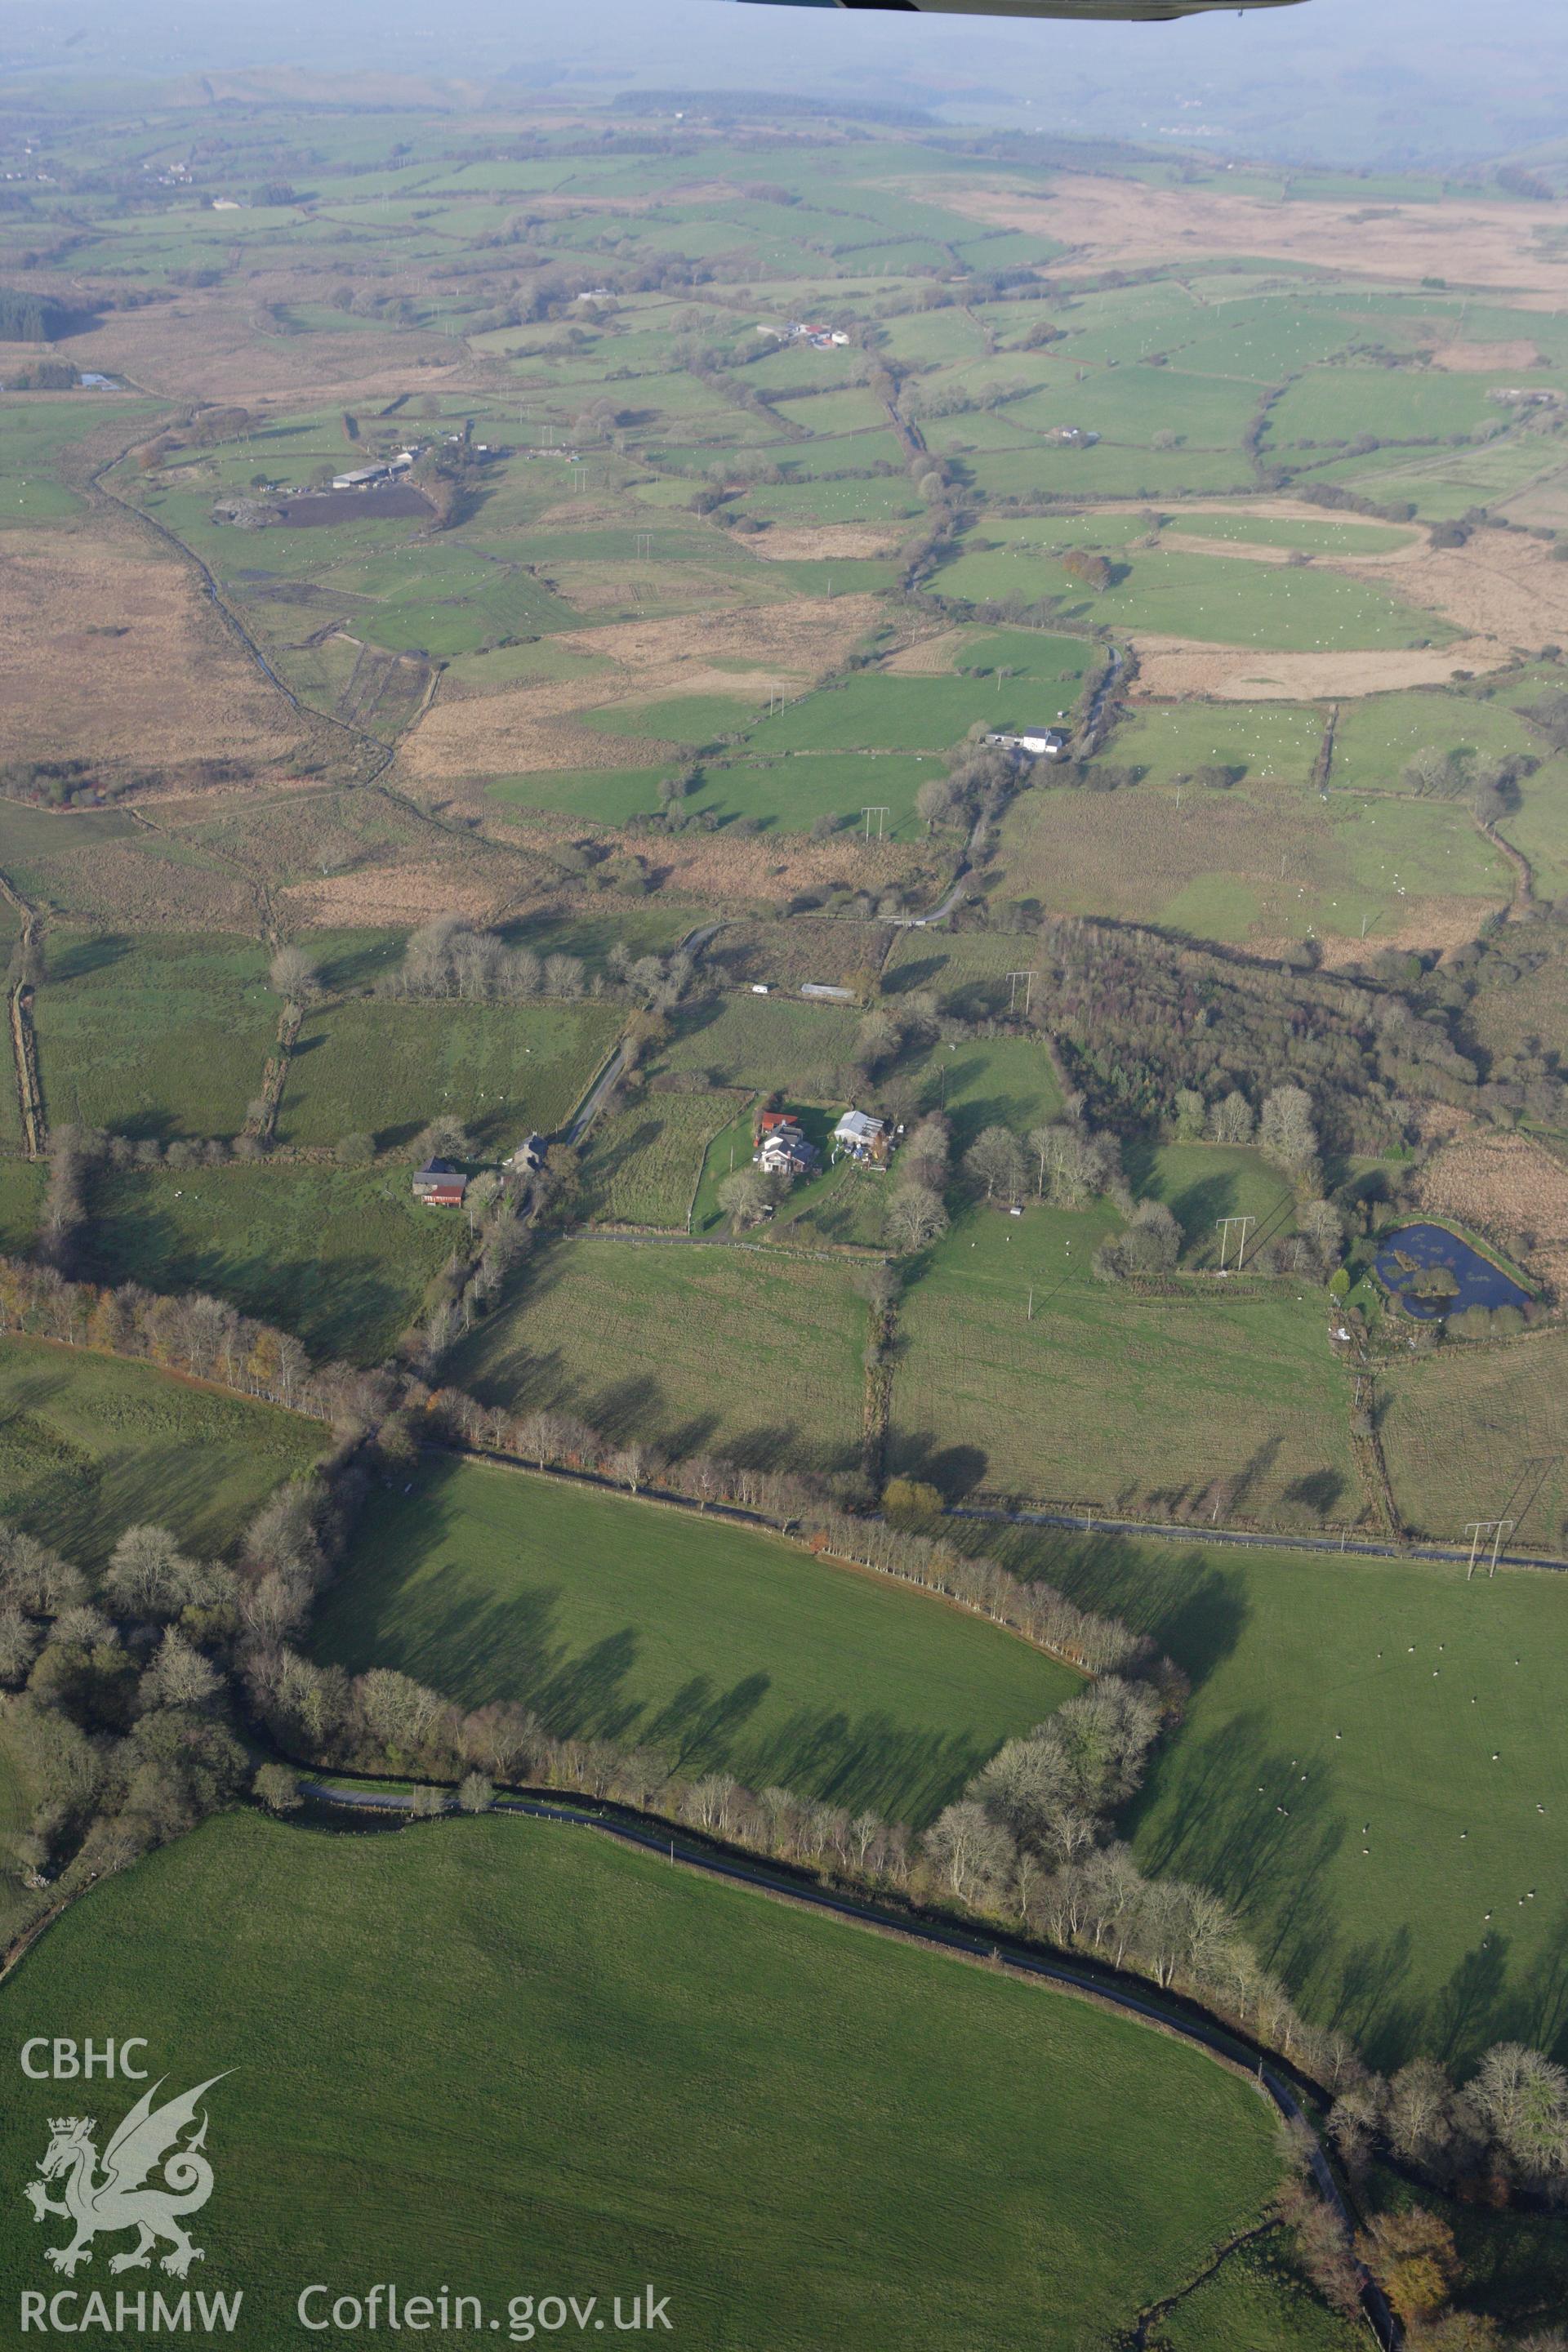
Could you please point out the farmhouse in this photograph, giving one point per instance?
(863, 1138)
(439, 1185)
(1035, 742)
(528, 1157)
(785, 1152)
(782, 1149)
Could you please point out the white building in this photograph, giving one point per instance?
(1035, 742)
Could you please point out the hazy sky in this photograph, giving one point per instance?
(1337, 80)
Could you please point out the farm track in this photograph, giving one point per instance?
(381, 755)
(1524, 902)
(995, 1951)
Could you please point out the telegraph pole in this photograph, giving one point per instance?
(1476, 1530)
(1013, 978)
(1225, 1224)
(881, 815)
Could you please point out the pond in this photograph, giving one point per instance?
(1403, 1257)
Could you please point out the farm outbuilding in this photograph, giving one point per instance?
(864, 1138)
(440, 1185)
(1035, 743)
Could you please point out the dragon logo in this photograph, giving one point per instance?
(117, 2198)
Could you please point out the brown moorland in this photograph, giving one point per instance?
(156, 679)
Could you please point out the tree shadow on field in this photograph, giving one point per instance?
(1317, 1493)
(924, 973)
(865, 1762)
(955, 1470)
(1191, 1602)
(699, 1724)
(476, 1647)
(84, 957)
(1536, 2009)
(1460, 2020)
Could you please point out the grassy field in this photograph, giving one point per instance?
(723, 1649)
(642, 1165)
(341, 1260)
(787, 794)
(1391, 1684)
(1210, 599)
(34, 431)
(1480, 1433)
(15, 1810)
(1255, 2302)
(990, 1082)
(1351, 536)
(1200, 1183)
(1375, 737)
(1268, 740)
(90, 1446)
(153, 1035)
(504, 2082)
(697, 1349)
(603, 795)
(1267, 860)
(22, 1188)
(1103, 1397)
(748, 1041)
(385, 1069)
(880, 710)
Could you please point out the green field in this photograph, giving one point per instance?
(883, 710)
(789, 793)
(1268, 860)
(1359, 1674)
(162, 1035)
(341, 1260)
(723, 1649)
(748, 1041)
(989, 1082)
(1480, 1433)
(693, 718)
(604, 795)
(1200, 1183)
(601, 2072)
(15, 1810)
(700, 1349)
(385, 1069)
(1255, 2302)
(1270, 740)
(90, 1446)
(1351, 538)
(1377, 736)
(22, 1187)
(642, 1164)
(1208, 598)
(34, 429)
(1145, 1405)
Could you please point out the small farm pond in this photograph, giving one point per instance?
(1417, 1250)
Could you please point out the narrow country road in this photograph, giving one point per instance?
(1210, 2038)
(1091, 1523)
(592, 1103)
